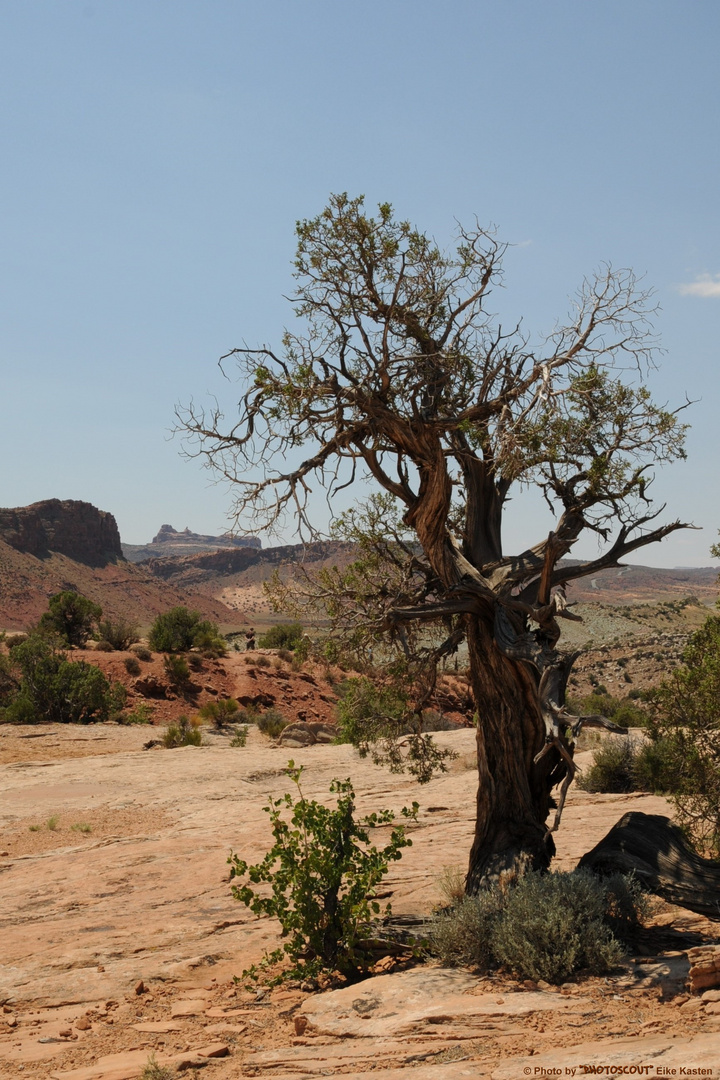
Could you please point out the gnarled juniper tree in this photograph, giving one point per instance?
(401, 373)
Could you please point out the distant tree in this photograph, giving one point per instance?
(401, 375)
(281, 636)
(71, 616)
(180, 630)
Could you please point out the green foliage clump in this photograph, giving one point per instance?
(177, 672)
(142, 652)
(684, 729)
(179, 630)
(621, 711)
(240, 736)
(183, 733)
(119, 634)
(545, 926)
(322, 871)
(71, 616)
(272, 723)
(53, 689)
(132, 665)
(282, 636)
(220, 713)
(614, 766)
(371, 716)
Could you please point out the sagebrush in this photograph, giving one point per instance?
(543, 926)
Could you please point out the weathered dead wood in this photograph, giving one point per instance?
(657, 852)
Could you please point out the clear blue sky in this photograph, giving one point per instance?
(156, 156)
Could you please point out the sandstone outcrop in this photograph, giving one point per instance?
(67, 526)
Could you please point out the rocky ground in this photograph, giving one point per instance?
(120, 937)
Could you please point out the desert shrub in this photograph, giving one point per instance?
(684, 730)
(9, 681)
(104, 646)
(247, 714)
(141, 714)
(71, 616)
(657, 767)
(155, 1071)
(179, 629)
(51, 688)
(286, 655)
(240, 737)
(281, 636)
(613, 768)
(462, 935)
(209, 641)
(220, 712)
(119, 634)
(177, 672)
(142, 652)
(195, 661)
(545, 926)
(11, 640)
(272, 723)
(132, 665)
(322, 871)
(621, 711)
(263, 661)
(184, 732)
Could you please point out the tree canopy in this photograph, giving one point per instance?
(401, 373)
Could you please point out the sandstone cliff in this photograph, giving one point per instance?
(65, 526)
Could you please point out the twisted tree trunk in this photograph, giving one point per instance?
(514, 789)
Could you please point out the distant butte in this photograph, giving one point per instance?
(168, 535)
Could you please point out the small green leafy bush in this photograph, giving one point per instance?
(220, 713)
(272, 723)
(546, 926)
(182, 733)
(322, 869)
(240, 737)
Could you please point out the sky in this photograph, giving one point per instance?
(156, 157)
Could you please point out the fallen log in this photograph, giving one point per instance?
(657, 852)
